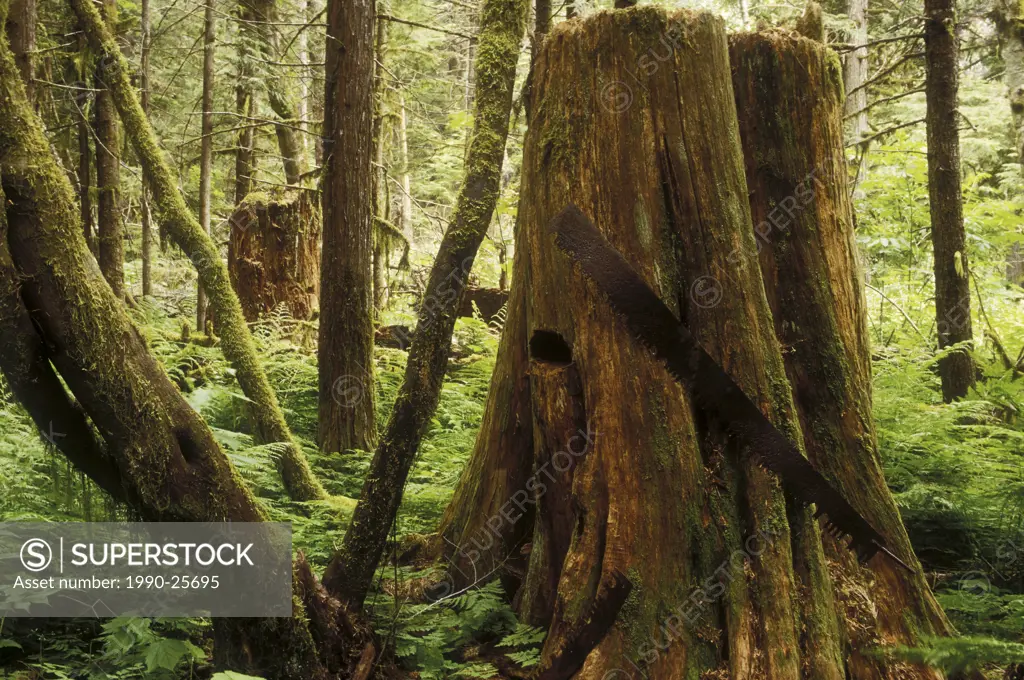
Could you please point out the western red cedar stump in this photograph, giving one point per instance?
(274, 253)
(634, 121)
(789, 100)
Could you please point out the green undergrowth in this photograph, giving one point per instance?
(36, 483)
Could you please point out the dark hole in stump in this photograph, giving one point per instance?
(551, 347)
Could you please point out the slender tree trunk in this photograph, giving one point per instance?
(952, 288)
(347, 418)
(351, 571)
(855, 72)
(108, 173)
(378, 192)
(302, 49)
(147, 226)
(542, 21)
(806, 249)
(279, 93)
(1009, 17)
(206, 152)
(236, 341)
(403, 136)
(21, 33)
(85, 158)
(245, 164)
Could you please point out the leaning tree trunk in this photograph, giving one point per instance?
(350, 573)
(279, 93)
(273, 256)
(236, 340)
(949, 240)
(634, 120)
(245, 164)
(82, 369)
(805, 243)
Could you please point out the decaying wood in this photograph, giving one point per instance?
(488, 300)
(634, 119)
(807, 254)
(274, 253)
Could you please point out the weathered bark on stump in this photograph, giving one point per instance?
(634, 121)
(156, 453)
(347, 417)
(350, 572)
(789, 102)
(274, 254)
(183, 227)
(945, 203)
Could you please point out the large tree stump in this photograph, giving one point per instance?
(274, 253)
(634, 121)
(789, 100)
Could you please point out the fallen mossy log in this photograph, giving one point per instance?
(187, 233)
(156, 454)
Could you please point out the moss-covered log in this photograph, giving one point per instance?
(789, 98)
(183, 227)
(350, 573)
(274, 253)
(634, 120)
(155, 448)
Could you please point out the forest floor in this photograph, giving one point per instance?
(954, 469)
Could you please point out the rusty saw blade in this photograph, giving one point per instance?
(656, 327)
